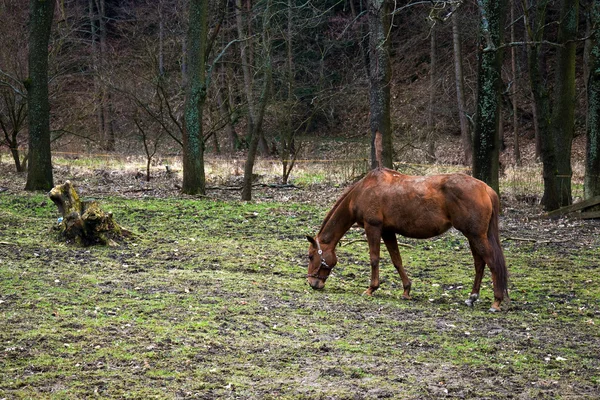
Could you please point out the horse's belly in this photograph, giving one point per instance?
(419, 229)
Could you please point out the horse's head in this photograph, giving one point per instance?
(321, 259)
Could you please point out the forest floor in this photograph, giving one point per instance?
(209, 300)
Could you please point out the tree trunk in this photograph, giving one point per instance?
(592, 161)
(465, 132)
(16, 158)
(224, 94)
(108, 133)
(256, 110)
(84, 222)
(515, 85)
(379, 14)
(161, 38)
(536, 63)
(16, 110)
(557, 184)
(486, 144)
(432, 135)
(193, 140)
(39, 176)
(255, 136)
(287, 138)
(184, 66)
(225, 113)
(104, 111)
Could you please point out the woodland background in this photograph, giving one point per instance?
(209, 299)
(290, 73)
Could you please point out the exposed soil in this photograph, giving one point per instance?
(210, 302)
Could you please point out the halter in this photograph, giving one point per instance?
(323, 264)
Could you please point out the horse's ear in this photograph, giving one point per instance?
(311, 240)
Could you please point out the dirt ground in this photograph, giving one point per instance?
(235, 319)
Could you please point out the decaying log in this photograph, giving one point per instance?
(581, 206)
(84, 221)
(590, 215)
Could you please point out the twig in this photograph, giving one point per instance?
(139, 190)
(269, 185)
(535, 240)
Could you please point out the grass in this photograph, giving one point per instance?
(209, 301)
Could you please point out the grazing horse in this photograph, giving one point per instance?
(386, 202)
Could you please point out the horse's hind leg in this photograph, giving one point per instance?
(479, 269)
(483, 254)
(374, 240)
(391, 243)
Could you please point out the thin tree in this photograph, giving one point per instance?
(13, 116)
(465, 132)
(256, 106)
(99, 48)
(224, 101)
(380, 17)
(535, 21)
(194, 181)
(150, 142)
(557, 177)
(432, 90)
(39, 174)
(592, 161)
(515, 86)
(288, 150)
(486, 143)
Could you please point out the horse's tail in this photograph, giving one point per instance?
(494, 240)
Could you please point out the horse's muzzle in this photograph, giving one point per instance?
(316, 283)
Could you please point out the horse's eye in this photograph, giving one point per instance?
(310, 257)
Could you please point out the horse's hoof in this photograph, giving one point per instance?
(471, 300)
(367, 293)
(406, 297)
(492, 309)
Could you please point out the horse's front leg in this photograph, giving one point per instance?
(374, 240)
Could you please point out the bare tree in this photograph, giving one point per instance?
(433, 67)
(515, 85)
(380, 17)
(227, 114)
(592, 164)
(39, 174)
(13, 117)
(557, 180)
(99, 49)
(465, 131)
(256, 105)
(13, 72)
(150, 141)
(535, 22)
(486, 143)
(193, 140)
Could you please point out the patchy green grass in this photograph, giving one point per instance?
(209, 300)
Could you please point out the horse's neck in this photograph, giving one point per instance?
(337, 224)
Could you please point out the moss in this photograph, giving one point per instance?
(211, 303)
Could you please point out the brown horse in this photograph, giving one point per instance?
(386, 202)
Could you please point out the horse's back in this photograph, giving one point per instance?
(423, 206)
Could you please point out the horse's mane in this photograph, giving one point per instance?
(337, 204)
(378, 152)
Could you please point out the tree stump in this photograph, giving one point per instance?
(84, 222)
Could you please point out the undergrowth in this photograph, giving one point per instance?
(209, 300)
